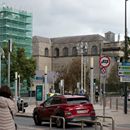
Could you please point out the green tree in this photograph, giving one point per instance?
(72, 74)
(19, 63)
(113, 81)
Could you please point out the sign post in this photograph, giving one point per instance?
(104, 62)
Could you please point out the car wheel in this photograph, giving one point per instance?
(59, 123)
(37, 119)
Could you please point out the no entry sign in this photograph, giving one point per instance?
(104, 61)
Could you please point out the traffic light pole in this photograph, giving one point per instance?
(126, 56)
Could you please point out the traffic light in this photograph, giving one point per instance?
(94, 81)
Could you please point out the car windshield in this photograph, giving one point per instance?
(76, 100)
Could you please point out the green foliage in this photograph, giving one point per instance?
(113, 81)
(71, 75)
(19, 63)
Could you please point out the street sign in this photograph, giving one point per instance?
(125, 63)
(124, 69)
(103, 70)
(104, 61)
(124, 79)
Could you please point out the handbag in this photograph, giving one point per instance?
(12, 117)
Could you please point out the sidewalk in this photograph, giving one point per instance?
(121, 120)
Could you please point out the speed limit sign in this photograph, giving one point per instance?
(104, 61)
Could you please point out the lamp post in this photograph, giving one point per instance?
(19, 87)
(1, 55)
(82, 48)
(126, 56)
(91, 80)
(9, 51)
(16, 86)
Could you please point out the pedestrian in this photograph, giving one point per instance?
(8, 109)
(96, 96)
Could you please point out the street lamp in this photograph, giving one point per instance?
(82, 48)
(1, 56)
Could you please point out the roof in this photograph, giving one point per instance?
(69, 39)
(41, 39)
(76, 39)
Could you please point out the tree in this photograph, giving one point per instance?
(19, 63)
(71, 75)
(113, 81)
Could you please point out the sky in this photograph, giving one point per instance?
(59, 18)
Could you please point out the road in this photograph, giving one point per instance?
(25, 123)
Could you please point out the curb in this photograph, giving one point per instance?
(24, 115)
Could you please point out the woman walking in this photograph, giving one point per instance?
(8, 109)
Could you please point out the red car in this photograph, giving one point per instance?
(73, 108)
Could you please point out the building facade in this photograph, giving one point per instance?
(57, 53)
(16, 25)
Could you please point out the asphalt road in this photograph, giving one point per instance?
(25, 123)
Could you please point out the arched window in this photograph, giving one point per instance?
(65, 51)
(46, 52)
(74, 51)
(94, 50)
(56, 52)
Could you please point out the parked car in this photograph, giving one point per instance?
(73, 108)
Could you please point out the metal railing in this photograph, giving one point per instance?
(57, 117)
(108, 117)
(93, 122)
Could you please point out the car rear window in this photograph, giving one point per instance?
(77, 100)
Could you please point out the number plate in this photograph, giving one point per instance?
(82, 111)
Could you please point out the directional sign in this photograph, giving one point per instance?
(124, 79)
(104, 61)
(126, 63)
(124, 73)
(124, 69)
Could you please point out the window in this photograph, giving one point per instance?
(46, 52)
(74, 51)
(48, 102)
(94, 50)
(65, 51)
(56, 100)
(77, 100)
(56, 52)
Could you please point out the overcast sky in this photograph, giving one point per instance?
(54, 18)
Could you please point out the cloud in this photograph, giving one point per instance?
(53, 18)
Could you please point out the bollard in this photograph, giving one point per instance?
(22, 103)
(116, 103)
(113, 123)
(110, 103)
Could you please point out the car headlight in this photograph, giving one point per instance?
(68, 113)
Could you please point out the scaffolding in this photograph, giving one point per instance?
(16, 25)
